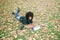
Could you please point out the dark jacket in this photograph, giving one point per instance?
(23, 20)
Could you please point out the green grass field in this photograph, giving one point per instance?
(46, 14)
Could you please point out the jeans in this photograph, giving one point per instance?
(17, 16)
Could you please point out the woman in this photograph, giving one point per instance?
(26, 20)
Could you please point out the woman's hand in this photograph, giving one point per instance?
(29, 26)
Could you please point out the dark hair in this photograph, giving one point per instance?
(29, 14)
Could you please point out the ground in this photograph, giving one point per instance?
(46, 14)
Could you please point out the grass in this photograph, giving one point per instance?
(46, 14)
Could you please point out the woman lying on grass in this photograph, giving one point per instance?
(25, 20)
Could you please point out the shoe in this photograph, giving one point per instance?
(18, 9)
(13, 13)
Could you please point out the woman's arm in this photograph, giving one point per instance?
(29, 26)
